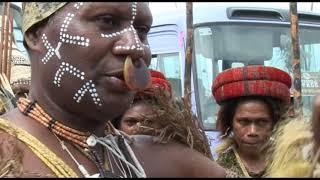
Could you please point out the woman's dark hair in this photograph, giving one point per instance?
(228, 109)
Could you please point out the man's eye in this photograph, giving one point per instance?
(106, 21)
(142, 31)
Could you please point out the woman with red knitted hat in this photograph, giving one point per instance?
(252, 100)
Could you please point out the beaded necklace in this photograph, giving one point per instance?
(33, 110)
(82, 139)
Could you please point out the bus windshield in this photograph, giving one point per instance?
(222, 46)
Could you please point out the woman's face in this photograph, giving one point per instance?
(131, 119)
(84, 49)
(252, 125)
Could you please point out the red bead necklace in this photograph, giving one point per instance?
(33, 110)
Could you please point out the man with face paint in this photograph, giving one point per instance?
(87, 59)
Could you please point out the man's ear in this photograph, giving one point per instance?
(33, 38)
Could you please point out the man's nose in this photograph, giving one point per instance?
(129, 44)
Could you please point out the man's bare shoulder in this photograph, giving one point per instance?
(15, 151)
(173, 159)
(146, 142)
(10, 155)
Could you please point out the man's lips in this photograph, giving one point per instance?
(116, 81)
(115, 73)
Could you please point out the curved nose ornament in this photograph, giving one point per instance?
(136, 74)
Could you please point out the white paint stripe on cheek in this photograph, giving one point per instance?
(67, 68)
(71, 39)
(134, 12)
(115, 34)
(57, 50)
(137, 40)
(137, 45)
(77, 5)
(51, 50)
(88, 87)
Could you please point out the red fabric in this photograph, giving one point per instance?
(250, 81)
(254, 72)
(158, 80)
(161, 83)
(252, 88)
(157, 74)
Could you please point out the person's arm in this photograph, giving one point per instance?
(201, 166)
(173, 159)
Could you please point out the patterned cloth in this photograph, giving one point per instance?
(34, 12)
(254, 80)
(228, 160)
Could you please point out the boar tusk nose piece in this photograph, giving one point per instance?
(136, 74)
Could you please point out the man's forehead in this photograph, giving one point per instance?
(34, 12)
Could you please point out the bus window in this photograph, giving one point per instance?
(169, 65)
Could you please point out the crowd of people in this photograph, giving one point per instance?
(93, 108)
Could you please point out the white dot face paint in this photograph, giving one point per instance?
(87, 87)
(77, 5)
(138, 45)
(66, 68)
(51, 50)
(72, 39)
